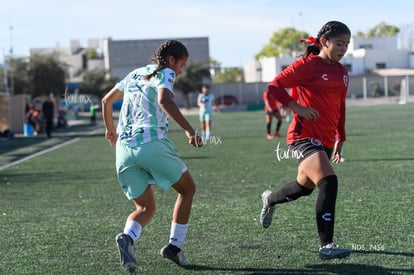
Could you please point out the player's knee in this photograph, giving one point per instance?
(185, 186)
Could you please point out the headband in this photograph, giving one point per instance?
(311, 41)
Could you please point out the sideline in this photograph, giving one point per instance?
(73, 140)
(38, 153)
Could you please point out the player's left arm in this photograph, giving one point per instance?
(167, 103)
(340, 134)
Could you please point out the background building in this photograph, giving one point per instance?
(122, 56)
(375, 64)
(118, 57)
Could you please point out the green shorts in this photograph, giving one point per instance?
(156, 162)
(206, 115)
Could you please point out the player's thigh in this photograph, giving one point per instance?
(132, 176)
(312, 159)
(163, 163)
(314, 168)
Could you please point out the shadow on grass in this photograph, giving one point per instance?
(384, 159)
(393, 253)
(195, 157)
(356, 269)
(251, 271)
(342, 269)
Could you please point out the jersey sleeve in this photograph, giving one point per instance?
(166, 79)
(294, 75)
(121, 85)
(341, 132)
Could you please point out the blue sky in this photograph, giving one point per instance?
(237, 30)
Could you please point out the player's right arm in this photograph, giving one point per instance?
(109, 99)
(199, 103)
(166, 102)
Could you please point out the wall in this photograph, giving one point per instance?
(4, 112)
(126, 55)
(251, 93)
(17, 114)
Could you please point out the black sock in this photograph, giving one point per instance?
(279, 123)
(325, 208)
(268, 127)
(289, 192)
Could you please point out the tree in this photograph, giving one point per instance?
(17, 75)
(21, 82)
(191, 79)
(229, 75)
(46, 74)
(285, 41)
(383, 29)
(94, 82)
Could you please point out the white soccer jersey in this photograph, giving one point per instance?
(141, 119)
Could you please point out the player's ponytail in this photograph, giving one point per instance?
(313, 47)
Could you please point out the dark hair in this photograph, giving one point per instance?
(169, 48)
(329, 30)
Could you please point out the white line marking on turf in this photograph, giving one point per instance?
(39, 153)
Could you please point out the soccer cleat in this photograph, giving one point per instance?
(267, 211)
(333, 251)
(277, 134)
(268, 136)
(174, 254)
(126, 253)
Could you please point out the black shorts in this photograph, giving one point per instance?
(302, 149)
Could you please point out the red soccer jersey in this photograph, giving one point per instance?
(271, 99)
(319, 85)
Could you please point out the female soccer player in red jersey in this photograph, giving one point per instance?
(272, 106)
(317, 131)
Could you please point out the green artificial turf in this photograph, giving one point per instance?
(60, 211)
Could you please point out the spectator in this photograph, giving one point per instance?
(48, 114)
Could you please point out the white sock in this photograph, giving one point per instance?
(178, 233)
(133, 229)
(208, 134)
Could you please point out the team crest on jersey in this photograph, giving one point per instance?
(171, 78)
(346, 80)
(315, 142)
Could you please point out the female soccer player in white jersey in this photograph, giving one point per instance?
(144, 154)
(205, 101)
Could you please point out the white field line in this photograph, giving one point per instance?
(38, 153)
(45, 151)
